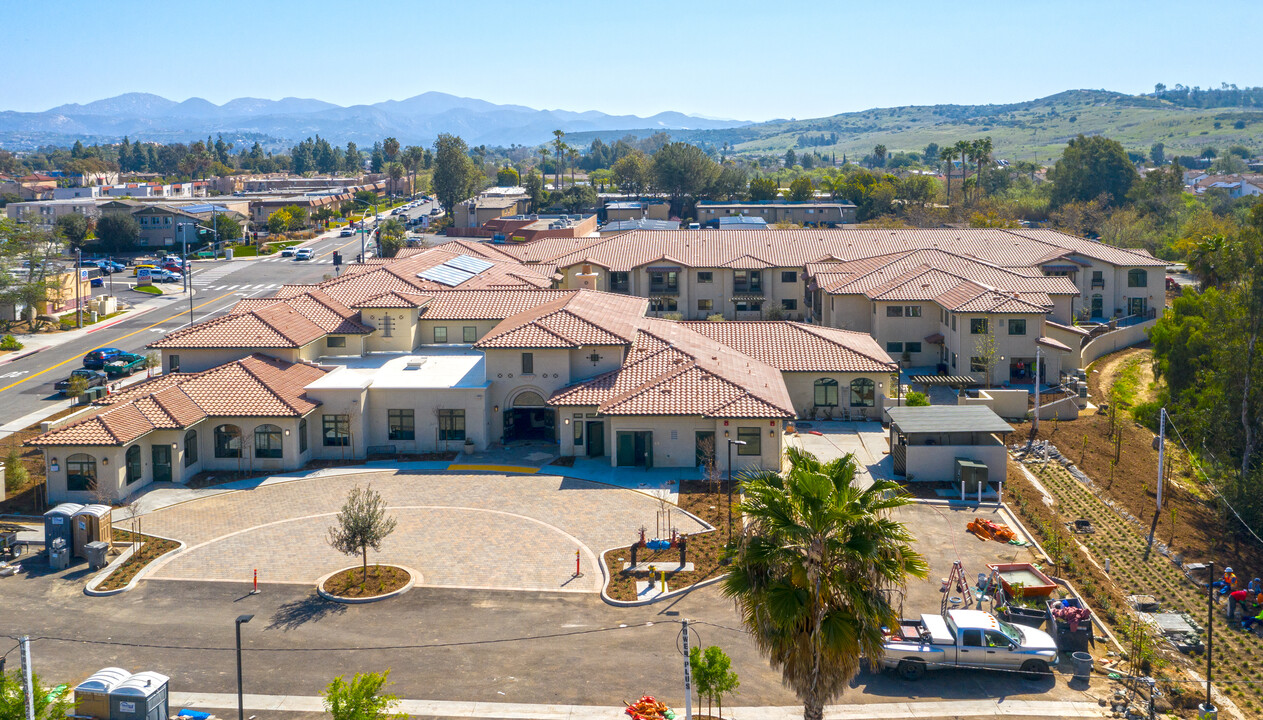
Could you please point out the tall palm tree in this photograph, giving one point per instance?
(963, 148)
(560, 147)
(572, 154)
(981, 152)
(945, 156)
(811, 573)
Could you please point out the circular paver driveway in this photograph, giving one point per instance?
(516, 532)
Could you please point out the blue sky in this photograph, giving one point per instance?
(734, 59)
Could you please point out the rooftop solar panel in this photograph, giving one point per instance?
(446, 275)
(469, 264)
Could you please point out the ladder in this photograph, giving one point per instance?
(957, 583)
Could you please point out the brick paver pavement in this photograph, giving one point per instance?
(482, 531)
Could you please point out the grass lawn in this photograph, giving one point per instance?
(68, 322)
(150, 289)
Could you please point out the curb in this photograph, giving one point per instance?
(608, 575)
(413, 576)
(21, 355)
(127, 316)
(90, 589)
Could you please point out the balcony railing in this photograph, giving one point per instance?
(1098, 284)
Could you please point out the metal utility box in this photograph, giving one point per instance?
(91, 523)
(973, 474)
(58, 523)
(92, 696)
(97, 554)
(142, 696)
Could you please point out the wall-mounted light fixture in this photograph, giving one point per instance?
(495, 408)
(566, 421)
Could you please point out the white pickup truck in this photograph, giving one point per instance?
(967, 638)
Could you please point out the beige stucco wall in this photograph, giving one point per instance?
(504, 371)
(199, 359)
(675, 441)
(802, 389)
(1008, 404)
(937, 463)
(425, 403)
(404, 333)
(455, 330)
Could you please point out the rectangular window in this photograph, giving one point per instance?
(175, 363)
(620, 282)
(528, 363)
(469, 334)
(912, 347)
(912, 311)
(978, 326)
(336, 430)
(977, 365)
(402, 424)
(706, 276)
(749, 306)
(953, 323)
(894, 311)
(440, 334)
(451, 425)
(789, 304)
(753, 441)
(756, 280)
(705, 305)
(953, 359)
(302, 435)
(664, 281)
(1017, 326)
(789, 276)
(388, 325)
(578, 429)
(335, 342)
(663, 304)
(894, 347)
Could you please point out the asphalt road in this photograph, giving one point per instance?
(26, 384)
(440, 644)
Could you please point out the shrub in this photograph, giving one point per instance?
(8, 342)
(1146, 413)
(717, 317)
(15, 473)
(917, 399)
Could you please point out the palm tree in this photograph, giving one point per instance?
(946, 158)
(963, 148)
(981, 153)
(560, 147)
(811, 573)
(572, 154)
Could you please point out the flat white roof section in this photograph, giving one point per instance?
(430, 368)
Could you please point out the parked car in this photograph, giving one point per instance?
(967, 638)
(98, 281)
(173, 267)
(137, 268)
(124, 364)
(304, 254)
(107, 267)
(94, 378)
(95, 360)
(436, 211)
(288, 252)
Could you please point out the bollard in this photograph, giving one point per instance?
(576, 564)
(255, 591)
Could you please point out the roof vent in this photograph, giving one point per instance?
(414, 364)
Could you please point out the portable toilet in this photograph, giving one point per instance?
(57, 524)
(92, 696)
(142, 696)
(92, 523)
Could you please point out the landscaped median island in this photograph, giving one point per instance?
(150, 289)
(704, 550)
(150, 549)
(359, 583)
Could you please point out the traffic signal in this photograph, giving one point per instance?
(337, 258)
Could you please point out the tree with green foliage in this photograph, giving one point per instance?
(15, 473)
(297, 217)
(930, 154)
(227, 227)
(390, 148)
(1157, 154)
(916, 399)
(118, 232)
(712, 674)
(576, 198)
(48, 704)
(763, 189)
(395, 171)
(279, 221)
(534, 186)
(633, 173)
(1091, 168)
(73, 228)
(801, 189)
(683, 172)
(361, 524)
(730, 184)
(361, 698)
(879, 156)
(391, 237)
(455, 177)
(812, 572)
(507, 177)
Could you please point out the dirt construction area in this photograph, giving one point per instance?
(464, 531)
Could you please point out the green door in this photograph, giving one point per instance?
(161, 455)
(626, 449)
(596, 438)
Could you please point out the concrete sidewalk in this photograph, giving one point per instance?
(1000, 708)
(39, 342)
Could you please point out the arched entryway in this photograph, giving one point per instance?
(528, 417)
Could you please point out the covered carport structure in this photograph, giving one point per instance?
(928, 443)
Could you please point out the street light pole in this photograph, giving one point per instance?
(731, 442)
(241, 704)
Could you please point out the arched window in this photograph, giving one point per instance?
(267, 441)
(1137, 278)
(826, 392)
(227, 441)
(80, 472)
(190, 448)
(528, 399)
(133, 464)
(863, 392)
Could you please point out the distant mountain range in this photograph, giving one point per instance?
(414, 121)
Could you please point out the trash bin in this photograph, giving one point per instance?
(1082, 666)
(97, 552)
(58, 554)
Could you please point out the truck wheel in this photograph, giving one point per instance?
(911, 669)
(1035, 669)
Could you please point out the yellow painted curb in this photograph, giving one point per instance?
(495, 468)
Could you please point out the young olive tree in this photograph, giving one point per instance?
(362, 524)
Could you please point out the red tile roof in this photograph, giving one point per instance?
(583, 318)
(797, 347)
(256, 386)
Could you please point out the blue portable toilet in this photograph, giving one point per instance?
(57, 524)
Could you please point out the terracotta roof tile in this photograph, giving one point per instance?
(797, 347)
(583, 318)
